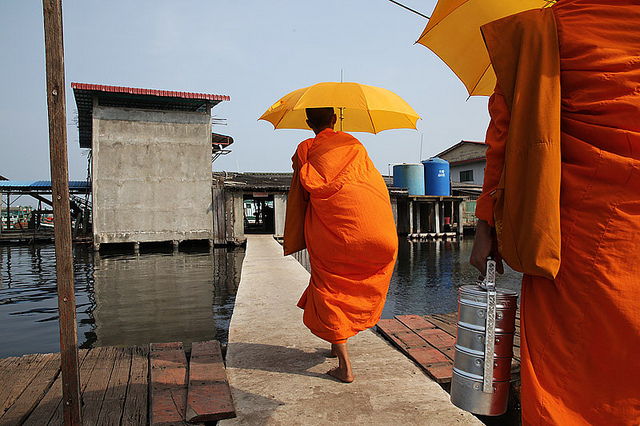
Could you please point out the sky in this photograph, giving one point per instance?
(254, 51)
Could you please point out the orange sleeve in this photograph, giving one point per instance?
(297, 202)
(496, 141)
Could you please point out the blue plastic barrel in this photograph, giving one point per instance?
(410, 176)
(436, 177)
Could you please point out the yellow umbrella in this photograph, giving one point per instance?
(453, 33)
(360, 108)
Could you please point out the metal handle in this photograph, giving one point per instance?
(490, 327)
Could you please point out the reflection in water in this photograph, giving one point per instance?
(127, 299)
(428, 274)
(121, 299)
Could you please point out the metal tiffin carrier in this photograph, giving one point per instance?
(484, 346)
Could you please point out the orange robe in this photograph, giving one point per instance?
(581, 331)
(349, 232)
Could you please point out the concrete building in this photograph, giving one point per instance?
(249, 203)
(151, 154)
(254, 203)
(467, 161)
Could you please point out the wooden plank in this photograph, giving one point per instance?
(449, 318)
(135, 406)
(392, 325)
(116, 391)
(49, 405)
(449, 352)
(32, 395)
(517, 354)
(400, 335)
(437, 338)
(6, 364)
(441, 373)
(168, 378)
(98, 395)
(88, 364)
(429, 358)
(209, 395)
(96, 384)
(17, 378)
(415, 322)
(446, 326)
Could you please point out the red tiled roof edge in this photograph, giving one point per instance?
(150, 92)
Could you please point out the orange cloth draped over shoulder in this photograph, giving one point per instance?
(349, 231)
(581, 330)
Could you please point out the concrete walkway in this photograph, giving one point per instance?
(277, 368)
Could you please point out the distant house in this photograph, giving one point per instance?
(467, 161)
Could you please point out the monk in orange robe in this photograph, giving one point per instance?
(581, 329)
(338, 206)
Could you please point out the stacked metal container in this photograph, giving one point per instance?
(484, 347)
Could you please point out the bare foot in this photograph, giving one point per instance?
(337, 372)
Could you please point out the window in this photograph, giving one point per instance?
(466, 176)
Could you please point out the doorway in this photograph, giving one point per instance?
(259, 217)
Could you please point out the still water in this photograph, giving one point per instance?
(428, 275)
(122, 299)
(128, 299)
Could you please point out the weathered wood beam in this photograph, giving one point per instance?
(54, 50)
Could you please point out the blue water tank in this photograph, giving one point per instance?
(436, 177)
(410, 176)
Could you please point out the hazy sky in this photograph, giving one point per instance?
(254, 51)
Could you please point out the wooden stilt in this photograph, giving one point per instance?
(61, 212)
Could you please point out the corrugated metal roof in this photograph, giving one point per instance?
(462, 142)
(148, 92)
(40, 185)
(132, 97)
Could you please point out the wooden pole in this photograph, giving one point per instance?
(61, 212)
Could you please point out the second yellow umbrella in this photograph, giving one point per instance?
(453, 33)
(360, 108)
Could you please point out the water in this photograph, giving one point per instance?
(128, 299)
(428, 275)
(122, 299)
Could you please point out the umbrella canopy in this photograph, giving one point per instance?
(360, 108)
(453, 33)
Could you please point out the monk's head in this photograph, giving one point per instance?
(319, 119)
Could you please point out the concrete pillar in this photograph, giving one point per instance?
(416, 217)
(437, 217)
(411, 230)
(460, 217)
(279, 213)
(8, 210)
(403, 221)
(238, 216)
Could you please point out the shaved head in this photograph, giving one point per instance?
(320, 117)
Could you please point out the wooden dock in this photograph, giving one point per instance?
(430, 342)
(121, 386)
(26, 236)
